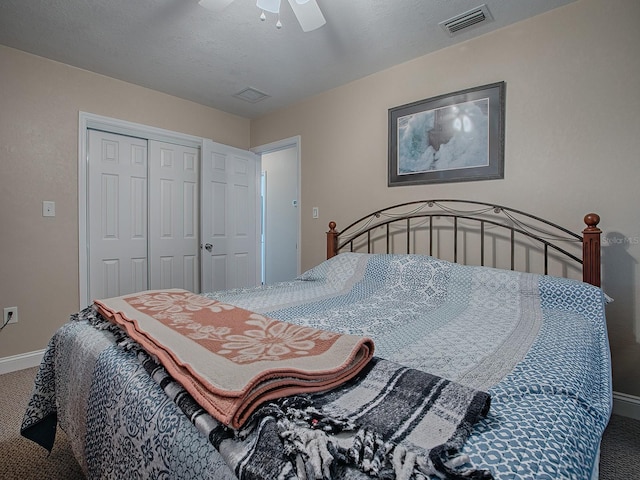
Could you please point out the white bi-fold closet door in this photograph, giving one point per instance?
(143, 209)
(159, 214)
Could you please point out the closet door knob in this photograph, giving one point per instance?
(208, 247)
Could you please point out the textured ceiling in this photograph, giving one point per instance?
(178, 47)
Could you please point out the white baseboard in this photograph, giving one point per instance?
(626, 405)
(20, 362)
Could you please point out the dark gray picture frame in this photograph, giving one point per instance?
(457, 137)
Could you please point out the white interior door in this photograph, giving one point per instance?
(117, 211)
(174, 216)
(230, 221)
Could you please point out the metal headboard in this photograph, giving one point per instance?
(462, 215)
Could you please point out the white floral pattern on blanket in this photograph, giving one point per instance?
(257, 338)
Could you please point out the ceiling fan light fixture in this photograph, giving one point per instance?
(272, 6)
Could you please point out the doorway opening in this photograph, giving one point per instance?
(280, 193)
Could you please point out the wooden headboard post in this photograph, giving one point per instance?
(332, 240)
(591, 250)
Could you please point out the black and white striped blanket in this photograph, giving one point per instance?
(388, 422)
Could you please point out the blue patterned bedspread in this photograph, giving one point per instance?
(537, 344)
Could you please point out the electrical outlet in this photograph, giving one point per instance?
(10, 315)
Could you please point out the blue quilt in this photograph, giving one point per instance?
(537, 344)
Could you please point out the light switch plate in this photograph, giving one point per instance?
(48, 208)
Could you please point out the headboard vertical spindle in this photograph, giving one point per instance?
(455, 239)
(431, 235)
(482, 242)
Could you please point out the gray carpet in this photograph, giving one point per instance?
(620, 450)
(21, 459)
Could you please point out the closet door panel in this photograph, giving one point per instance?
(117, 210)
(173, 216)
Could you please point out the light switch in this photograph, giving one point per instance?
(48, 209)
(315, 212)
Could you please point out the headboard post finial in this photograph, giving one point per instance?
(591, 250)
(332, 240)
(592, 220)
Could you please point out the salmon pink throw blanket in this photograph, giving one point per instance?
(229, 359)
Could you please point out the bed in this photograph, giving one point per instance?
(531, 348)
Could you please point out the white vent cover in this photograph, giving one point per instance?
(251, 95)
(473, 17)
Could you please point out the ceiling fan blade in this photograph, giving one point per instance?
(215, 5)
(272, 6)
(308, 14)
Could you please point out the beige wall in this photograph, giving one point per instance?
(39, 105)
(572, 140)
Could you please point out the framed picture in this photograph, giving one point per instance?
(456, 137)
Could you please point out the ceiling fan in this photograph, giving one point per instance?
(306, 11)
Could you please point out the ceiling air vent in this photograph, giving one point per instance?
(251, 95)
(473, 17)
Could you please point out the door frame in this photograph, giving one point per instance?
(92, 121)
(291, 142)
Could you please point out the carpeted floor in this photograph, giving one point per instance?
(21, 459)
(620, 450)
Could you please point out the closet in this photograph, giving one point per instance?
(155, 213)
(143, 215)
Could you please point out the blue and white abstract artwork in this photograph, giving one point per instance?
(446, 138)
